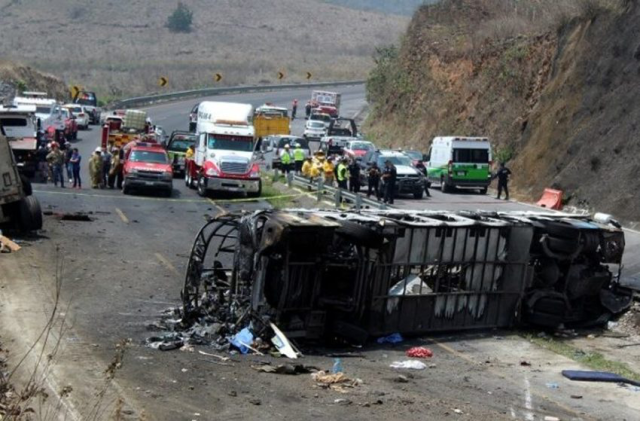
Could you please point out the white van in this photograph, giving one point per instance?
(460, 162)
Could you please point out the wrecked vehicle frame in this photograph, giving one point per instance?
(324, 273)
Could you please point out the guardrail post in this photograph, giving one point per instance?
(289, 179)
(338, 197)
(358, 201)
(320, 188)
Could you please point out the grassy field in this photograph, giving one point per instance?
(121, 48)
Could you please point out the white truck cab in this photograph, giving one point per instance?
(20, 127)
(224, 152)
(48, 111)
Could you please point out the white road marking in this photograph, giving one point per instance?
(528, 402)
(122, 216)
(167, 264)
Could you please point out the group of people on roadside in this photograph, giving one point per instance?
(346, 174)
(55, 163)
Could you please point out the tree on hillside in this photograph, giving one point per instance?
(181, 19)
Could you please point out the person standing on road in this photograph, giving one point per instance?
(74, 162)
(43, 165)
(502, 175)
(115, 173)
(328, 169)
(298, 157)
(389, 175)
(106, 166)
(310, 170)
(190, 152)
(307, 109)
(56, 160)
(373, 180)
(294, 109)
(341, 174)
(95, 168)
(354, 176)
(67, 163)
(285, 160)
(427, 184)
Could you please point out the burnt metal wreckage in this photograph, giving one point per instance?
(320, 274)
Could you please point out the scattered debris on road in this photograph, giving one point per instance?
(419, 352)
(410, 364)
(8, 246)
(597, 376)
(70, 216)
(338, 381)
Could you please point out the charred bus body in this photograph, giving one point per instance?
(322, 273)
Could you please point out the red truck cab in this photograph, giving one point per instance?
(147, 166)
(70, 124)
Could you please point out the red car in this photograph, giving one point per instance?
(147, 166)
(358, 148)
(70, 124)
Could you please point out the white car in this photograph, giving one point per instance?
(314, 130)
(81, 114)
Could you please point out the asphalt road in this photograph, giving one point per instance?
(127, 265)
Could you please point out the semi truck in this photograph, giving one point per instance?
(223, 159)
(18, 208)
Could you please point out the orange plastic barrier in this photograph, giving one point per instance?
(551, 199)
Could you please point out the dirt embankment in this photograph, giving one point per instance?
(554, 88)
(15, 77)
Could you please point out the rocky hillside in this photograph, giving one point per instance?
(122, 47)
(555, 86)
(15, 77)
(401, 7)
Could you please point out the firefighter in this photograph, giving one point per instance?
(310, 170)
(327, 169)
(298, 158)
(115, 173)
(190, 152)
(95, 168)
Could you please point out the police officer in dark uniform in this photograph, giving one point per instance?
(354, 176)
(502, 175)
(389, 175)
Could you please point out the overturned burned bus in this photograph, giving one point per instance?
(359, 274)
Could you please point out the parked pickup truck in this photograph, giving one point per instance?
(177, 147)
(409, 180)
(147, 166)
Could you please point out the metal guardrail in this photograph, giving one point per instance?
(338, 195)
(194, 93)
